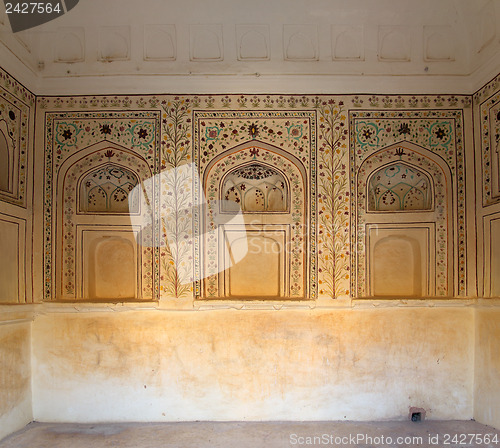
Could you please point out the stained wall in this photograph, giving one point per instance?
(354, 364)
(17, 111)
(15, 369)
(487, 140)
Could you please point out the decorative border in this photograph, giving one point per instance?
(12, 86)
(291, 131)
(19, 132)
(256, 102)
(490, 136)
(372, 130)
(69, 132)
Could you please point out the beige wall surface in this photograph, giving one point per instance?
(253, 365)
(344, 359)
(15, 376)
(487, 377)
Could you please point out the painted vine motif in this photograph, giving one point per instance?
(176, 196)
(333, 187)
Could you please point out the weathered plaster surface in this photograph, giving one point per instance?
(487, 379)
(253, 365)
(15, 382)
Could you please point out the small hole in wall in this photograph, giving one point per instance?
(416, 417)
(416, 414)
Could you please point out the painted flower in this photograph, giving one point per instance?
(109, 153)
(253, 130)
(105, 129)
(212, 133)
(142, 133)
(254, 152)
(295, 131)
(404, 129)
(440, 133)
(67, 134)
(367, 133)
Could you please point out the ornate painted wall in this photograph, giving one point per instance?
(17, 106)
(487, 140)
(315, 199)
(17, 113)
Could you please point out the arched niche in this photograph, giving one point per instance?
(272, 187)
(4, 163)
(107, 189)
(399, 186)
(404, 192)
(255, 187)
(112, 269)
(79, 223)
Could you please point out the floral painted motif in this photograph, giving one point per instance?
(333, 188)
(14, 129)
(489, 113)
(313, 129)
(72, 133)
(176, 194)
(440, 131)
(252, 128)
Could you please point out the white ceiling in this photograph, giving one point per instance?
(236, 46)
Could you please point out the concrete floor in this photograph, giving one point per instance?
(254, 435)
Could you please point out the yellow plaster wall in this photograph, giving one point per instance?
(15, 376)
(153, 365)
(487, 361)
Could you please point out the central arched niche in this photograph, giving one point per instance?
(107, 189)
(268, 186)
(399, 187)
(255, 188)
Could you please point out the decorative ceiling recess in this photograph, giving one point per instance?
(152, 39)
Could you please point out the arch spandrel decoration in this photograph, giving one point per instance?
(399, 187)
(434, 211)
(283, 223)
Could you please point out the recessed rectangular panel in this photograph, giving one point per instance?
(260, 271)
(108, 262)
(9, 262)
(399, 260)
(494, 265)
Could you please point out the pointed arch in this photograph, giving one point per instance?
(92, 187)
(392, 209)
(262, 168)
